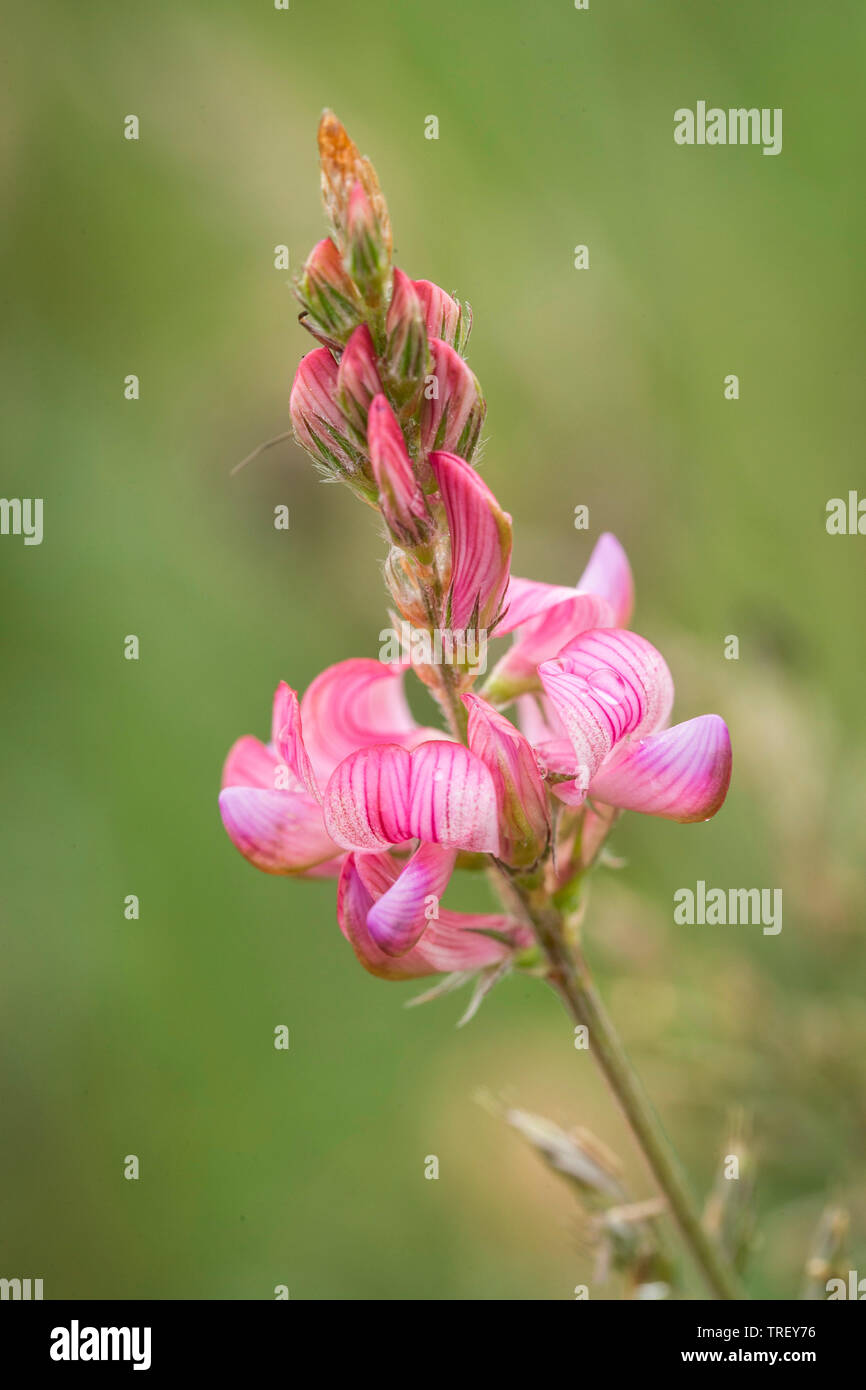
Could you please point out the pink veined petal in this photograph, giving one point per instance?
(400, 495)
(250, 763)
(452, 416)
(281, 832)
(594, 711)
(441, 312)
(288, 741)
(453, 798)
(646, 684)
(682, 773)
(385, 795)
(544, 617)
(524, 824)
(399, 918)
(353, 704)
(480, 543)
(537, 719)
(608, 573)
(454, 942)
(366, 803)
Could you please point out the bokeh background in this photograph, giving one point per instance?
(605, 388)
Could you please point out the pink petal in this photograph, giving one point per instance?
(646, 683)
(608, 573)
(524, 824)
(682, 773)
(451, 418)
(358, 379)
(453, 798)
(480, 543)
(287, 739)
(442, 314)
(317, 419)
(400, 496)
(384, 795)
(353, 704)
(250, 763)
(398, 918)
(366, 803)
(453, 943)
(280, 832)
(545, 617)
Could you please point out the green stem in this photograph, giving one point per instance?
(570, 975)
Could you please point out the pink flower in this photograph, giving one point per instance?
(447, 941)
(439, 794)
(544, 617)
(612, 693)
(271, 797)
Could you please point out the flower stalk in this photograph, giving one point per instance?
(569, 974)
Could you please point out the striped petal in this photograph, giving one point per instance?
(397, 919)
(608, 573)
(605, 684)
(453, 798)
(453, 942)
(682, 773)
(544, 617)
(647, 683)
(480, 544)
(366, 803)
(250, 763)
(453, 412)
(385, 795)
(524, 824)
(280, 832)
(353, 704)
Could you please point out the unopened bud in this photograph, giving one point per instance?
(358, 381)
(329, 296)
(406, 354)
(444, 316)
(317, 419)
(400, 496)
(368, 253)
(342, 168)
(453, 408)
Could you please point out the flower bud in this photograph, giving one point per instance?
(444, 317)
(358, 381)
(317, 419)
(328, 294)
(368, 254)
(342, 169)
(453, 408)
(400, 497)
(406, 354)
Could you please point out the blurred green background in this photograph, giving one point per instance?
(605, 387)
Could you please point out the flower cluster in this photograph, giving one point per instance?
(349, 785)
